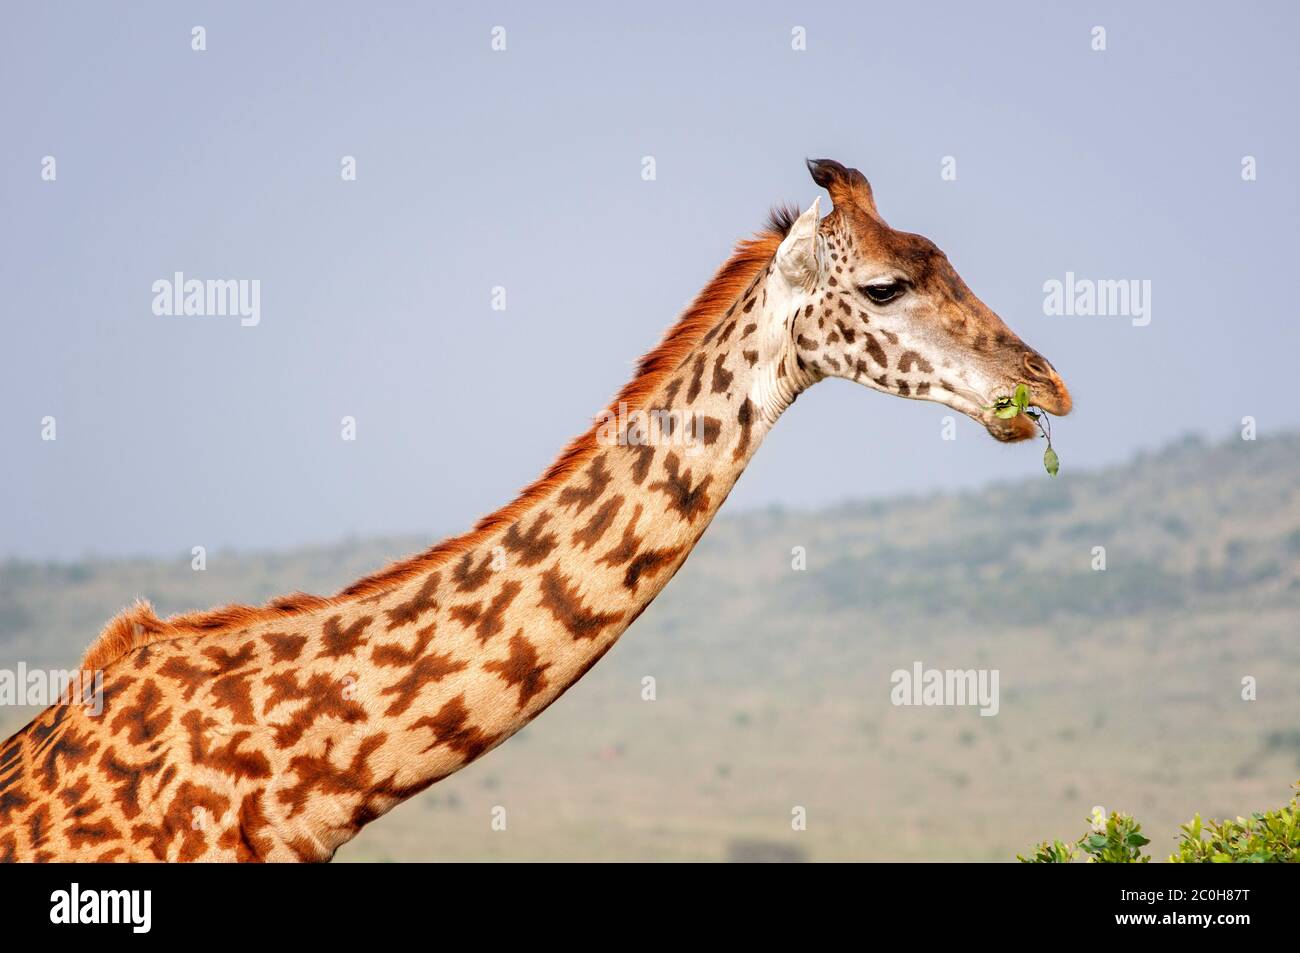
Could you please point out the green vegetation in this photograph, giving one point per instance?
(1264, 837)
(1017, 404)
(1117, 839)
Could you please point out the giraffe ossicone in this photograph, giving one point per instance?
(277, 732)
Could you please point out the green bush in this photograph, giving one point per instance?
(1267, 837)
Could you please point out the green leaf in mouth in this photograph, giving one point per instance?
(1021, 398)
(1004, 408)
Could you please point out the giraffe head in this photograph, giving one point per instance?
(886, 308)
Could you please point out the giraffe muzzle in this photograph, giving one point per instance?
(1047, 392)
(1046, 389)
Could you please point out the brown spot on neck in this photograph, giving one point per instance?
(690, 501)
(521, 668)
(487, 622)
(582, 496)
(531, 547)
(337, 641)
(451, 728)
(721, 376)
(600, 521)
(423, 601)
(565, 603)
(745, 417)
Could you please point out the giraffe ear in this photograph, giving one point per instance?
(846, 186)
(799, 255)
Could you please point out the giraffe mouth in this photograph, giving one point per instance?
(1053, 399)
(1012, 430)
(979, 408)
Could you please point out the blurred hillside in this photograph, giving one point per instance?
(1120, 687)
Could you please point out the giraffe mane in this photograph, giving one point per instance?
(139, 625)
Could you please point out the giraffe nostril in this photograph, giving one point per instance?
(1037, 367)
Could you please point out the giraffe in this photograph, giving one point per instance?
(276, 733)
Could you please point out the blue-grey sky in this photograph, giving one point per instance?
(478, 168)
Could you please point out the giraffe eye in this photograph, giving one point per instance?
(883, 292)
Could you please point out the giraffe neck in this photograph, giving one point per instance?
(276, 734)
(465, 656)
